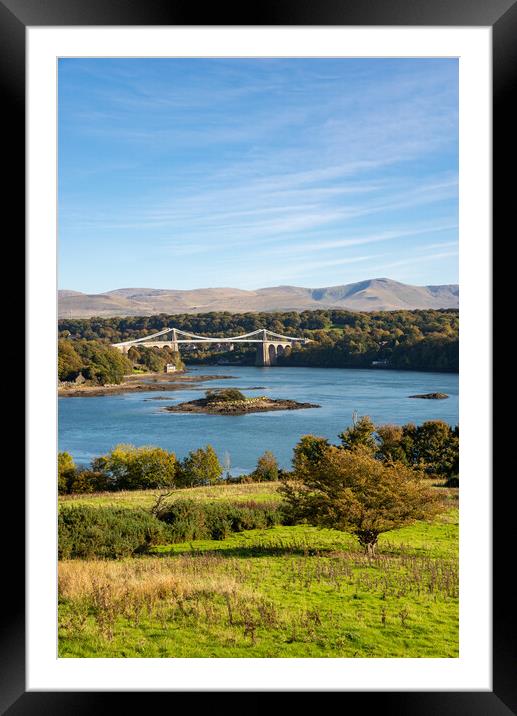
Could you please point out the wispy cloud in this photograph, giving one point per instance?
(317, 246)
(216, 165)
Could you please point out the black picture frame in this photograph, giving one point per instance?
(501, 15)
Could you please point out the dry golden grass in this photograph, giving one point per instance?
(166, 590)
(147, 580)
(286, 592)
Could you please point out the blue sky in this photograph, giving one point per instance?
(188, 173)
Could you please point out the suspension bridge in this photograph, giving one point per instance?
(269, 345)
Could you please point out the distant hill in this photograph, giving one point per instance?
(378, 294)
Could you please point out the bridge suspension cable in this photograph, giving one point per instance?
(194, 338)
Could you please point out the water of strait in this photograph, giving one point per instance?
(89, 427)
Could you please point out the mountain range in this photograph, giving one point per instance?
(379, 294)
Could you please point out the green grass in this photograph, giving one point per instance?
(256, 491)
(259, 492)
(283, 592)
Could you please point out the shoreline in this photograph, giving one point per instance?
(138, 383)
(250, 405)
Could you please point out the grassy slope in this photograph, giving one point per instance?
(259, 492)
(284, 592)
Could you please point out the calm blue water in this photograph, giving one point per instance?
(89, 427)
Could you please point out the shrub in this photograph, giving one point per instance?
(191, 520)
(107, 532)
(224, 395)
(88, 481)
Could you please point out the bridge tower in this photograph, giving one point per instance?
(263, 357)
(174, 341)
(268, 350)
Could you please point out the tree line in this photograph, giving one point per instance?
(370, 483)
(127, 467)
(430, 449)
(409, 340)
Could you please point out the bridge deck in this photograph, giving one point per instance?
(262, 335)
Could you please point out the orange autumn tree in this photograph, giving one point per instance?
(351, 491)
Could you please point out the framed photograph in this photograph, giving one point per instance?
(243, 472)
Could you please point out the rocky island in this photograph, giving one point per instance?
(230, 401)
(431, 396)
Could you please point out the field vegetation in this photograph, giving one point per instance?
(352, 553)
(294, 591)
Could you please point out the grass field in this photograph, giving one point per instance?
(282, 592)
(256, 491)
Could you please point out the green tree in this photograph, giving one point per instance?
(69, 362)
(200, 467)
(137, 468)
(65, 472)
(267, 468)
(360, 434)
(353, 492)
(307, 453)
(104, 364)
(395, 444)
(436, 448)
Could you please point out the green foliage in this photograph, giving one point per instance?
(307, 592)
(436, 448)
(267, 468)
(107, 532)
(436, 353)
(154, 358)
(191, 519)
(200, 467)
(412, 340)
(394, 443)
(308, 452)
(353, 492)
(224, 395)
(66, 471)
(69, 362)
(359, 434)
(128, 467)
(89, 481)
(112, 532)
(98, 362)
(432, 447)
